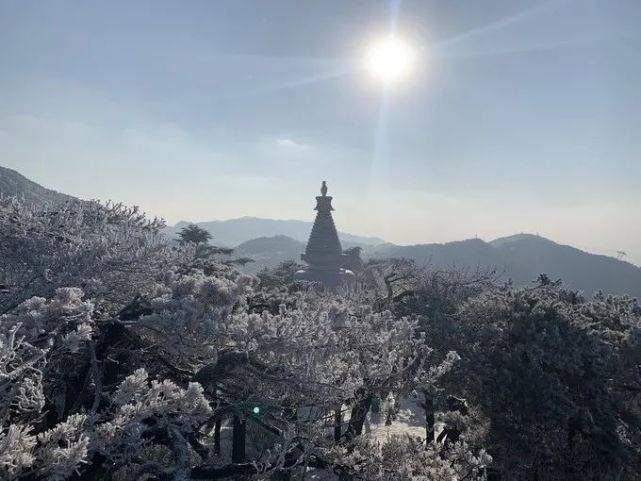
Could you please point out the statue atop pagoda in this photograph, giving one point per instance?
(324, 254)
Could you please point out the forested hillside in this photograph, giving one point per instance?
(530, 255)
(519, 258)
(13, 183)
(269, 252)
(523, 257)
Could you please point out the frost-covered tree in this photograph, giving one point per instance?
(556, 376)
(553, 372)
(193, 234)
(109, 251)
(122, 357)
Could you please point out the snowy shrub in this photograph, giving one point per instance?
(109, 251)
(16, 450)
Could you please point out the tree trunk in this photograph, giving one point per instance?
(238, 440)
(338, 420)
(359, 413)
(429, 420)
(217, 436)
(493, 474)
(281, 475)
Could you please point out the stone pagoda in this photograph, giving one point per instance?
(324, 254)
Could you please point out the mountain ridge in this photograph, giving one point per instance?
(523, 257)
(233, 232)
(269, 252)
(13, 183)
(520, 259)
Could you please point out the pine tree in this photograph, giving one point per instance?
(192, 234)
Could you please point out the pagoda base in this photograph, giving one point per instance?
(330, 277)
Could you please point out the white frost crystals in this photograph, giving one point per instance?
(106, 327)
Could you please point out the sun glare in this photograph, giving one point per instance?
(390, 59)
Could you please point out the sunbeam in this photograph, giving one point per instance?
(301, 81)
(500, 24)
(475, 52)
(380, 166)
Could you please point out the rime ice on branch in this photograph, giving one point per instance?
(324, 254)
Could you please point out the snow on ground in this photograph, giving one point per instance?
(410, 420)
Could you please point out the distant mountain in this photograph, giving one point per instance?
(530, 255)
(523, 258)
(464, 253)
(269, 251)
(231, 233)
(13, 183)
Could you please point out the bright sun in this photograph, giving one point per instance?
(390, 59)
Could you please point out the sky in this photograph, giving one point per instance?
(517, 116)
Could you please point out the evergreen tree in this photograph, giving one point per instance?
(193, 234)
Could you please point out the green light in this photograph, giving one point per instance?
(256, 410)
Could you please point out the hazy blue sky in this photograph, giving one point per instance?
(520, 115)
